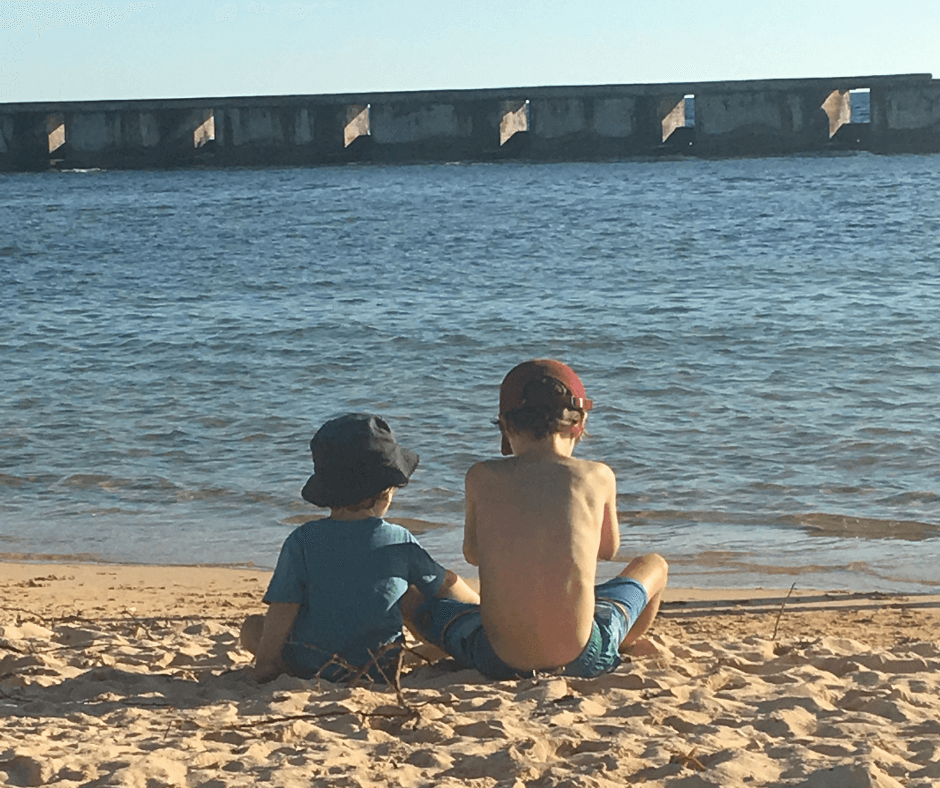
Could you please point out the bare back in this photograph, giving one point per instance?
(536, 528)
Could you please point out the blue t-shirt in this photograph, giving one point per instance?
(348, 577)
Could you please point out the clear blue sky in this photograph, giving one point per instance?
(52, 51)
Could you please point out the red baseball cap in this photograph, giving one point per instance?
(511, 392)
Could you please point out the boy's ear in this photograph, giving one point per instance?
(505, 432)
(578, 428)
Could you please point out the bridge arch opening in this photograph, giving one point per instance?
(515, 119)
(673, 116)
(55, 131)
(358, 123)
(838, 108)
(678, 123)
(849, 117)
(204, 133)
(860, 105)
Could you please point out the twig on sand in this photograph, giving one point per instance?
(22, 611)
(389, 670)
(689, 759)
(140, 624)
(780, 613)
(395, 681)
(404, 709)
(314, 716)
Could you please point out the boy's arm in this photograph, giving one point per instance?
(456, 588)
(277, 626)
(610, 527)
(470, 523)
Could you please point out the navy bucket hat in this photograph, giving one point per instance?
(355, 457)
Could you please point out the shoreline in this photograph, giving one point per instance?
(55, 587)
(131, 675)
(702, 575)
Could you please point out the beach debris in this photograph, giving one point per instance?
(780, 614)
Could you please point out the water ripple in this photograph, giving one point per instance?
(761, 339)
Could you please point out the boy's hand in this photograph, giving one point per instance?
(267, 671)
(277, 626)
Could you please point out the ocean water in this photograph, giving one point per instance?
(761, 338)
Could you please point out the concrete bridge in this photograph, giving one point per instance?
(743, 118)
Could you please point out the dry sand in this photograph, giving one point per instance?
(132, 676)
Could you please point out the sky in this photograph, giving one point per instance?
(79, 51)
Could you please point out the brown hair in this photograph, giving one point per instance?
(546, 410)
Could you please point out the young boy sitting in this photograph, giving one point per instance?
(536, 525)
(335, 600)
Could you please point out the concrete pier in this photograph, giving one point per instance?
(743, 118)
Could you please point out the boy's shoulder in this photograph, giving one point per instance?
(495, 467)
(505, 466)
(494, 464)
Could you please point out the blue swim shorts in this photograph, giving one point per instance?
(457, 628)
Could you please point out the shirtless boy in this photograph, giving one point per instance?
(536, 524)
(343, 584)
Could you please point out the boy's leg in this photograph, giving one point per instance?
(249, 638)
(410, 602)
(454, 587)
(652, 572)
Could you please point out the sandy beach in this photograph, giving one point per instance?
(117, 675)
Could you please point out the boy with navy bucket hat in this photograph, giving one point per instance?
(335, 601)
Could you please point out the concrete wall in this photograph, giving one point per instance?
(906, 118)
(589, 127)
(558, 118)
(95, 131)
(32, 139)
(614, 118)
(252, 126)
(398, 123)
(433, 131)
(910, 109)
(110, 138)
(768, 121)
(6, 135)
(541, 123)
(261, 135)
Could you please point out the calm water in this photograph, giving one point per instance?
(761, 338)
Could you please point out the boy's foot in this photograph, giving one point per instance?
(641, 647)
(423, 654)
